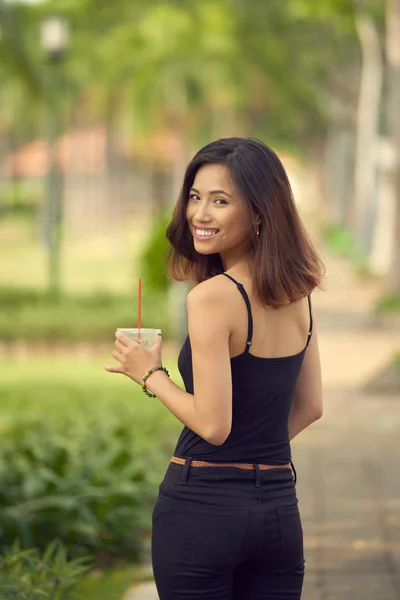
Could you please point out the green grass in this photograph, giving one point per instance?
(93, 263)
(110, 584)
(29, 384)
(99, 286)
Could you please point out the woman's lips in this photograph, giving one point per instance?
(203, 238)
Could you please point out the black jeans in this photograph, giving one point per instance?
(224, 533)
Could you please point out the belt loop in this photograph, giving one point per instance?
(294, 472)
(258, 479)
(185, 471)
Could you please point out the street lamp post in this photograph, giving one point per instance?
(54, 42)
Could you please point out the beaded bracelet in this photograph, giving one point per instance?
(149, 372)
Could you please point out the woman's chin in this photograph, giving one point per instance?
(205, 247)
(205, 251)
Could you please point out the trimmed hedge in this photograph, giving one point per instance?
(34, 316)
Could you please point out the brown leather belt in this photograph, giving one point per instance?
(249, 466)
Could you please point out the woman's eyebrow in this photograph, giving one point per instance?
(212, 192)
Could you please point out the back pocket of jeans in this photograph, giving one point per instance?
(291, 531)
(213, 535)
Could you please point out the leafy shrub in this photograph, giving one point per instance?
(388, 304)
(19, 201)
(153, 259)
(343, 242)
(80, 461)
(26, 575)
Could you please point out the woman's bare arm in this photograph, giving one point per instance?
(209, 411)
(307, 399)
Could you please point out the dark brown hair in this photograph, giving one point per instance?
(285, 265)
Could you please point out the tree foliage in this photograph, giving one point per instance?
(189, 65)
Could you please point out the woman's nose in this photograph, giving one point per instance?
(203, 212)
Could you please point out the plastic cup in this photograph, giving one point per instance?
(147, 336)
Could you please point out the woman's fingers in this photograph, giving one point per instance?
(112, 369)
(121, 347)
(118, 355)
(116, 369)
(123, 339)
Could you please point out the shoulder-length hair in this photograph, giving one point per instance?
(285, 265)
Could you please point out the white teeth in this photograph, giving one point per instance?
(205, 233)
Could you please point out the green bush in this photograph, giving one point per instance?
(388, 304)
(153, 259)
(343, 242)
(26, 575)
(33, 315)
(80, 460)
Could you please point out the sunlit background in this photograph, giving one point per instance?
(102, 104)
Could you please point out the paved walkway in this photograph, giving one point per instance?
(348, 463)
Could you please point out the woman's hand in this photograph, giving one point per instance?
(135, 360)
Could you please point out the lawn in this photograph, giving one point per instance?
(110, 584)
(106, 263)
(47, 387)
(66, 368)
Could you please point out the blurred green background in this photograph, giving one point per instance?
(101, 107)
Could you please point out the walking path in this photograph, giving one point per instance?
(348, 463)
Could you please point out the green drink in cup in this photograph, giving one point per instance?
(147, 336)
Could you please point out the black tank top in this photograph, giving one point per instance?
(262, 392)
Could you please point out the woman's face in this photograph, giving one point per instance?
(218, 216)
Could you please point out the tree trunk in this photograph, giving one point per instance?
(367, 125)
(393, 57)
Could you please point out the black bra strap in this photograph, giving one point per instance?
(311, 320)
(246, 299)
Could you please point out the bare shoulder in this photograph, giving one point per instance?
(207, 303)
(213, 290)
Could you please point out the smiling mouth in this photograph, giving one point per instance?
(205, 234)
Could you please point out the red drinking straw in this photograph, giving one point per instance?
(139, 306)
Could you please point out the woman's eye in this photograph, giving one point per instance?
(197, 197)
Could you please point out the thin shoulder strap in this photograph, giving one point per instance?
(250, 316)
(311, 320)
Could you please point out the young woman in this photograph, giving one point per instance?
(226, 525)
